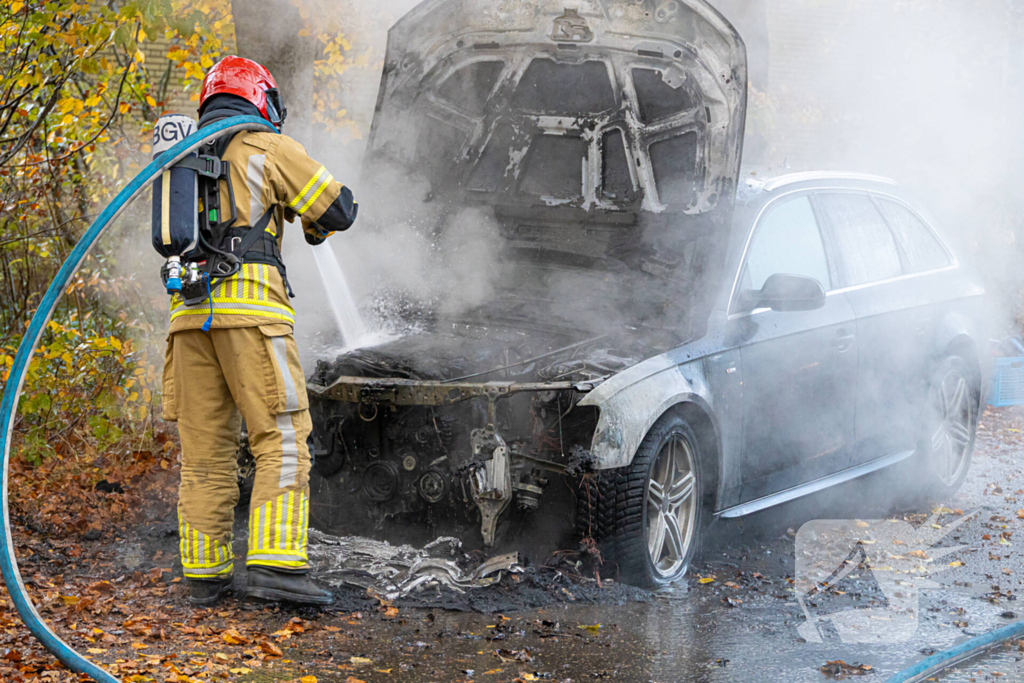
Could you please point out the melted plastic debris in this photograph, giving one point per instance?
(396, 571)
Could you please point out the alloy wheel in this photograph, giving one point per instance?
(951, 440)
(671, 507)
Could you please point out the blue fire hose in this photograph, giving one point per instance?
(12, 391)
(941, 661)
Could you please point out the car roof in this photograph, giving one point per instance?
(772, 184)
(758, 189)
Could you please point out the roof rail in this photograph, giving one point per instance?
(782, 181)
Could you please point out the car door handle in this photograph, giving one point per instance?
(843, 341)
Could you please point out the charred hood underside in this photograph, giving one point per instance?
(599, 143)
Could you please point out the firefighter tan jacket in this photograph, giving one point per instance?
(267, 171)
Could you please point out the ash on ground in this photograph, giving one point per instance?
(396, 571)
(442, 576)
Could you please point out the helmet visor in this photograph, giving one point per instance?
(276, 112)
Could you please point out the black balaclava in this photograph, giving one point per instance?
(221, 107)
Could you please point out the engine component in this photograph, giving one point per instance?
(409, 462)
(528, 495)
(380, 481)
(491, 479)
(433, 486)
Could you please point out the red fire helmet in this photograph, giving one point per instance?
(249, 80)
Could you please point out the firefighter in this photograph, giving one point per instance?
(246, 366)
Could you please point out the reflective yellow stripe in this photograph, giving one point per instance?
(165, 207)
(202, 556)
(287, 564)
(303, 521)
(237, 300)
(316, 195)
(288, 538)
(278, 527)
(237, 311)
(307, 188)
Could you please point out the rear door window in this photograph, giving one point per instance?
(866, 247)
(922, 247)
(788, 242)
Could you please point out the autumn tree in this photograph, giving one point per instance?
(77, 103)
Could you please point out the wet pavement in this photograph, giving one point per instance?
(736, 617)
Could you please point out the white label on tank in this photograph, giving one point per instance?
(170, 130)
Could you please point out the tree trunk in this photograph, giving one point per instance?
(267, 31)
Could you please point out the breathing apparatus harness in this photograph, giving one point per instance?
(203, 247)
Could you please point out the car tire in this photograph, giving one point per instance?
(658, 510)
(595, 510)
(951, 415)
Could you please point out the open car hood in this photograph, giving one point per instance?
(484, 98)
(593, 145)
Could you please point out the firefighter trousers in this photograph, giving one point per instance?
(212, 380)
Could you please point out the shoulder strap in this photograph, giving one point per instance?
(255, 234)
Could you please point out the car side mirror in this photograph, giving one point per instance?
(790, 293)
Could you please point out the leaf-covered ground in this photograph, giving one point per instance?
(111, 587)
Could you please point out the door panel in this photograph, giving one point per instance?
(895, 323)
(799, 390)
(799, 368)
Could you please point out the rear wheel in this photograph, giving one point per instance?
(658, 510)
(951, 420)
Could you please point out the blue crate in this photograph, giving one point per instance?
(1007, 382)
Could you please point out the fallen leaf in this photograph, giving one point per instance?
(956, 564)
(241, 671)
(360, 661)
(592, 628)
(271, 649)
(706, 579)
(233, 637)
(307, 679)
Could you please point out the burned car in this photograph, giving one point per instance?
(604, 142)
(602, 385)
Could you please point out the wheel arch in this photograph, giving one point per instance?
(631, 403)
(958, 335)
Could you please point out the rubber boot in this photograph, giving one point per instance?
(207, 592)
(282, 586)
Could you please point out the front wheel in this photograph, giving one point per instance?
(658, 510)
(951, 421)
